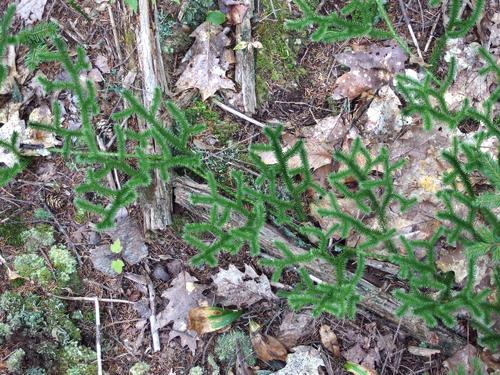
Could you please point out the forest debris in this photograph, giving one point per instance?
(370, 69)
(366, 358)
(268, 348)
(130, 235)
(101, 63)
(11, 123)
(205, 319)
(9, 62)
(37, 142)
(303, 360)
(242, 289)
(207, 66)
(183, 295)
(295, 326)
(319, 142)
(31, 10)
(383, 117)
(356, 369)
(236, 10)
(160, 273)
(102, 258)
(463, 357)
(423, 352)
(95, 75)
(329, 340)
(469, 83)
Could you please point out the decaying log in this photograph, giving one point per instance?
(156, 201)
(374, 300)
(245, 63)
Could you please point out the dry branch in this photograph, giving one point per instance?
(245, 63)
(156, 201)
(374, 300)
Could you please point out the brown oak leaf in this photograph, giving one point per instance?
(207, 66)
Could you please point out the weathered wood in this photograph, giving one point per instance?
(245, 63)
(374, 300)
(156, 202)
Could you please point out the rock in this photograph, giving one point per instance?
(160, 273)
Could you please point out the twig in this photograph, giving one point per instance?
(115, 34)
(408, 24)
(92, 299)
(152, 318)
(427, 45)
(237, 113)
(98, 335)
(70, 243)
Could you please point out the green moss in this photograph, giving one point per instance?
(276, 62)
(140, 368)
(15, 361)
(11, 232)
(46, 321)
(202, 113)
(38, 237)
(225, 349)
(32, 267)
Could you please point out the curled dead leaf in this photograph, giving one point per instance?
(207, 319)
(423, 352)
(329, 340)
(268, 348)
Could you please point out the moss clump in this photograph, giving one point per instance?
(50, 336)
(11, 233)
(64, 264)
(33, 267)
(201, 113)
(15, 361)
(38, 237)
(276, 62)
(140, 368)
(196, 11)
(225, 349)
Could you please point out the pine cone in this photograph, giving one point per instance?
(55, 200)
(104, 130)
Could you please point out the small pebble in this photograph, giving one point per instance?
(160, 273)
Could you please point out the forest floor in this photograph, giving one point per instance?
(295, 79)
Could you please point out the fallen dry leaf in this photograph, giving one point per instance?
(370, 69)
(468, 82)
(37, 142)
(101, 62)
(295, 326)
(463, 357)
(207, 66)
(183, 295)
(319, 142)
(366, 358)
(423, 352)
(268, 348)
(9, 62)
(10, 123)
(242, 289)
(303, 360)
(31, 10)
(329, 340)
